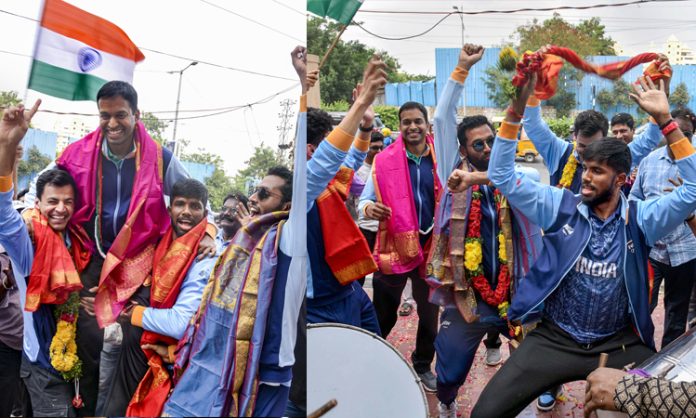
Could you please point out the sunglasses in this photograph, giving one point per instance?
(480, 145)
(264, 193)
(376, 148)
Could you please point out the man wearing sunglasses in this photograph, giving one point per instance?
(673, 258)
(467, 315)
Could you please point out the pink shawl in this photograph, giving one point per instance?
(397, 249)
(129, 260)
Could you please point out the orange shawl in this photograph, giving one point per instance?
(55, 271)
(548, 67)
(346, 251)
(172, 260)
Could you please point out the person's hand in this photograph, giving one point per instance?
(459, 181)
(470, 55)
(312, 78)
(87, 302)
(652, 99)
(676, 183)
(15, 123)
(160, 349)
(206, 248)
(374, 78)
(602, 387)
(127, 312)
(299, 61)
(369, 115)
(378, 211)
(242, 214)
(519, 102)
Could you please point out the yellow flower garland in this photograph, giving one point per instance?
(473, 255)
(569, 170)
(502, 255)
(63, 349)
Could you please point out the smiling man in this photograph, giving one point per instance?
(161, 309)
(44, 273)
(122, 177)
(590, 284)
(405, 179)
(229, 224)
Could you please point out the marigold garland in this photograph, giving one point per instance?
(569, 170)
(63, 349)
(472, 262)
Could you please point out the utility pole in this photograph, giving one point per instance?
(177, 147)
(285, 115)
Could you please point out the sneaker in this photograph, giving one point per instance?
(445, 411)
(429, 381)
(493, 357)
(546, 401)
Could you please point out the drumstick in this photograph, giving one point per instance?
(603, 358)
(323, 409)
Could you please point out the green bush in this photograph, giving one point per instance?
(562, 127)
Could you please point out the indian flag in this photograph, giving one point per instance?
(77, 53)
(341, 10)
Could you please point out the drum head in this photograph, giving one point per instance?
(365, 374)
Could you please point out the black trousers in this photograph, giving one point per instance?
(548, 357)
(387, 299)
(679, 282)
(10, 383)
(370, 237)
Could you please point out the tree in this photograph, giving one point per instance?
(34, 162)
(586, 38)
(155, 127)
(618, 96)
(389, 116)
(264, 157)
(9, 98)
(345, 66)
(680, 95)
(218, 185)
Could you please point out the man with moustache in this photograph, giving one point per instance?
(470, 312)
(590, 284)
(229, 222)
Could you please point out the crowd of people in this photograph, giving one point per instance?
(122, 294)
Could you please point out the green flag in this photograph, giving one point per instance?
(341, 10)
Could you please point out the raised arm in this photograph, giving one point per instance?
(538, 202)
(545, 141)
(645, 143)
(331, 152)
(658, 217)
(445, 120)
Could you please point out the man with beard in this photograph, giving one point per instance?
(161, 309)
(590, 284)
(470, 312)
(402, 197)
(229, 222)
(564, 159)
(237, 354)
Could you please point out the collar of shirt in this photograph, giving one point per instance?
(417, 158)
(113, 158)
(664, 155)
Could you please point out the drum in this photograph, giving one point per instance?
(362, 372)
(677, 361)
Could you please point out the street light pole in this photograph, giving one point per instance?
(177, 148)
(461, 18)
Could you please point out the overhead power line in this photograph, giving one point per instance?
(526, 9)
(253, 21)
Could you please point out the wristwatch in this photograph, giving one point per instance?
(369, 129)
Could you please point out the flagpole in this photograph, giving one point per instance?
(333, 45)
(36, 46)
